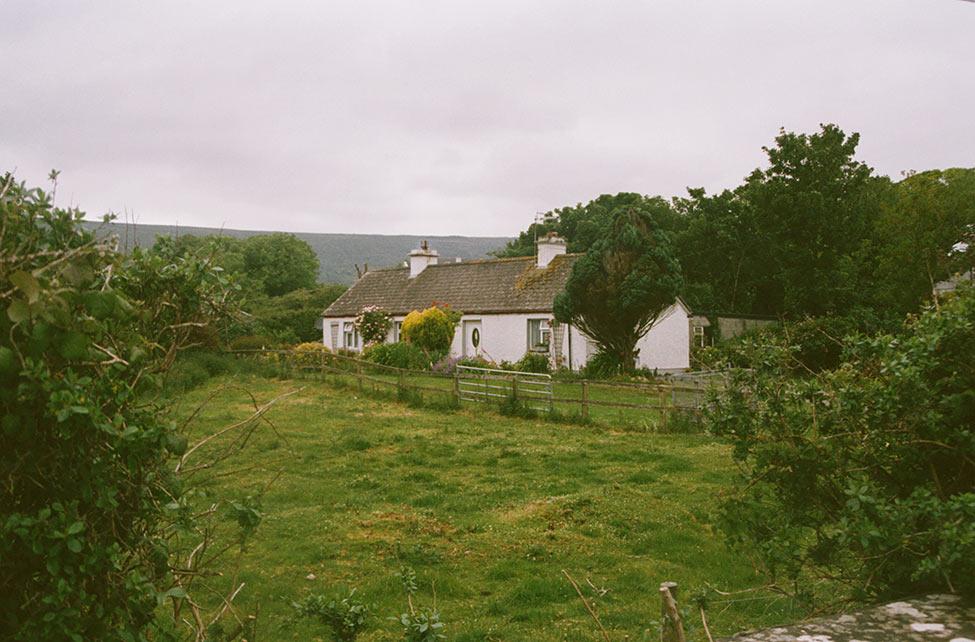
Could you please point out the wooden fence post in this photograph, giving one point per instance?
(457, 385)
(672, 629)
(585, 400)
(514, 387)
(358, 373)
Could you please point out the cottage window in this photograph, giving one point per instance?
(335, 335)
(538, 335)
(350, 336)
(397, 328)
(699, 335)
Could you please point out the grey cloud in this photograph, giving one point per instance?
(450, 117)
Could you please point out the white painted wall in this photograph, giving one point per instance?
(504, 337)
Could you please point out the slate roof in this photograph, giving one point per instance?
(494, 286)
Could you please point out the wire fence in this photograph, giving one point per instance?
(601, 401)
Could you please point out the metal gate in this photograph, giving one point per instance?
(489, 385)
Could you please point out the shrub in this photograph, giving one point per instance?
(85, 332)
(398, 355)
(533, 362)
(476, 362)
(309, 354)
(373, 324)
(346, 617)
(431, 330)
(863, 474)
(601, 365)
(447, 365)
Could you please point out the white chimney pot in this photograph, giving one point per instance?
(421, 258)
(549, 246)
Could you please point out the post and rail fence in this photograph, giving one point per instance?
(586, 398)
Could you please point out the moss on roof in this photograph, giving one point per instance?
(473, 287)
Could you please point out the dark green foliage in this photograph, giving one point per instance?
(84, 455)
(346, 616)
(601, 365)
(622, 284)
(582, 225)
(533, 362)
(929, 213)
(865, 473)
(291, 318)
(398, 355)
(280, 263)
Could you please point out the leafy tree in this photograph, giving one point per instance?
(720, 249)
(814, 209)
(280, 262)
(865, 474)
(582, 225)
(622, 284)
(930, 212)
(291, 317)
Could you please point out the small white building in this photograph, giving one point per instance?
(506, 305)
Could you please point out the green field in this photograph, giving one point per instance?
(488, 510)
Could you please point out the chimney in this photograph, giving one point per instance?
(549, 246)
(421, 258)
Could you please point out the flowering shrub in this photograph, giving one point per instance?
(373, 324)
(432, 329)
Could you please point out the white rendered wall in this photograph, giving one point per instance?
(667, 345)
(504, 337)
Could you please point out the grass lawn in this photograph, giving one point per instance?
(487, 509)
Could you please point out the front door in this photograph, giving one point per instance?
(472, 338)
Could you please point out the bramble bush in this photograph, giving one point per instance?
(864, 474)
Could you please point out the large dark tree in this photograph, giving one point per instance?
(930, 213)
(280, 262)
(626, 279)
(582, 225)
(814, 207)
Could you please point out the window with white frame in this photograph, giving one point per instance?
(397, 328)
(539, 334)
(350, 337)
(335, 335)
(699, 335)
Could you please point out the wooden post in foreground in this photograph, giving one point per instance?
(585, 400)
(514, 387)
(457, 385)
(358, 371)
(672, 629)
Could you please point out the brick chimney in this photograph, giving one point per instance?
(421, 258)
(549, 246)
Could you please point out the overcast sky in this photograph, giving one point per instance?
(459, 117)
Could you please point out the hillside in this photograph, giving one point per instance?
(337, 253)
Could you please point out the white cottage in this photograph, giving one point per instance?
(506, 305)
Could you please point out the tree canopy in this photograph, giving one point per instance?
(628, 276)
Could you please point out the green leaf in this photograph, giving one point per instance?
(27, 284)
(74, 545)
(176, 591)
(76, 528)
(18, 311)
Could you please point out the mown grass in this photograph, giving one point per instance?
(487, 509)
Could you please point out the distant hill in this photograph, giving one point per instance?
(337, 253)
